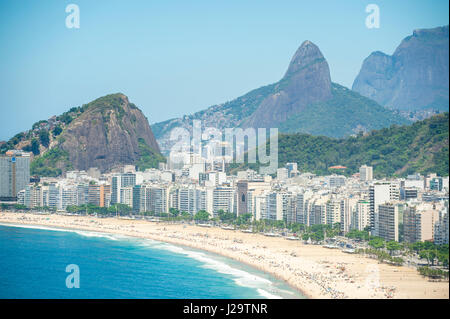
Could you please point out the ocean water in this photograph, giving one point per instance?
(33, 263)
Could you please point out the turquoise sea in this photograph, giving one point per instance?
(33, 263)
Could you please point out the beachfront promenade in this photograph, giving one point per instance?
(316, 271)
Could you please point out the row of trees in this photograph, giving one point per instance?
(433, 273)
(382, 256)
(429, 251)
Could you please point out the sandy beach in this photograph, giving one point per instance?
(315, 271)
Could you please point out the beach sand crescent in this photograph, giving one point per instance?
(315, 271)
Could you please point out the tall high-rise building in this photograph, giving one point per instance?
(348, 206)
(98, 195)
(419, 223)
(223, 199)
(362, 215)
(120, 181)
(126, 195)
(242, 204)
(380, 193)
(14, 173)
(279, 206)
(333, 212)
(441, 229)
(366, 173)
(388, 221)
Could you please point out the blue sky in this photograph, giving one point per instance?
(177, 57)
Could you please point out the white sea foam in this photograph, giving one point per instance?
(240, 277)
(34, 227)
(79, 232)
(267, 295)
(97, 235)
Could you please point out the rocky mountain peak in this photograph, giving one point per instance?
(306, 81)
(306, 54)
(414, 78)
(110, 132)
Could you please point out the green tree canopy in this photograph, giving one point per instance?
(201, 215)
(377, 243)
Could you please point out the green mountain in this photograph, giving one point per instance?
(304, 100)
(346, 113)
(104, 133)
(422, 147)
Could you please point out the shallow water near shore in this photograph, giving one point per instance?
(33, 261)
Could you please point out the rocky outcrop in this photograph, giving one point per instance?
(415, 77)
(306, 81)
(107, 134)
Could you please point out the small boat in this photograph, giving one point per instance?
(204, 225)
(292, 238)
(246, 231)
(349, 251)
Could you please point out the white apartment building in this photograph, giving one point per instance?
(380, 193)
(361, 215)
(282, 174)
(223, 199)
(366, 173)
(333, 211)
(441, 231)
(419, 222)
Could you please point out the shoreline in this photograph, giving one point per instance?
(314, 271)
(184, 246)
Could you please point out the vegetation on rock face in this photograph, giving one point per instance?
(57, 130)
(34, 146)
(45, 165)
(396, 151)
(44, 138)
(149, 157)
(346, 113)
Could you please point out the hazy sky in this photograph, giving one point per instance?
(177, 57)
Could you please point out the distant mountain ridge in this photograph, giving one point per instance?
(302, 101)
(105, 133)
(415, 77)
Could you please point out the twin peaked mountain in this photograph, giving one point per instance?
(304, 100)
